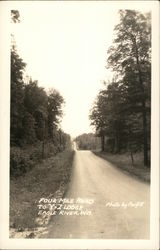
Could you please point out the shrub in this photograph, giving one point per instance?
(20, 162)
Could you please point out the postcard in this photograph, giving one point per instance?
(79, 124)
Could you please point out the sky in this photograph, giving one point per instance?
(65, 47)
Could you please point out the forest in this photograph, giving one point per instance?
(88, 142)
(42, 162)
(35, 117)
(121, 113)
(41, 153)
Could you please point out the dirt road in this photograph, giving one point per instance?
(120, 208)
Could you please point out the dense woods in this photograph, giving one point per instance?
(121, 112)
(35, 117)
(41, 152)
(45, 163)
(87, 142)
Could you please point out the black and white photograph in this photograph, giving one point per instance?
(80, 152)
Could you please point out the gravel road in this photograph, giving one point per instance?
(116, 204)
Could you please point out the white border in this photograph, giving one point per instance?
(5, 242)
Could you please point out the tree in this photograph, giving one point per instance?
(130, 58)
(106, 116)
(87, 141)
(28, 129)
(34, 118)
(55, 101)
(15, 16)
(121, 111)
(35, 102)
(17, 96)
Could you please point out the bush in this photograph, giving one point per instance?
(20, 162)
(23, 158)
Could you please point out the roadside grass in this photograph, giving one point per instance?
(22, 159)
(43, 180)
(123, 161)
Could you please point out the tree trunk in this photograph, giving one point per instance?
(60, 138)
(102, 143)
(43, 149)
(116, 145)
(145, 147)
(132, 158)
(44, 136)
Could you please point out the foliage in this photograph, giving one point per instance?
(35, 114)
(15, 16)
(122, 109)
(87, 142)
(44, 178)
(17, 96)
(55, 101)
(20, 162)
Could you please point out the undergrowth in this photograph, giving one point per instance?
(41, 181)
(123, 161)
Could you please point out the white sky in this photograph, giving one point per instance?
(65, 47)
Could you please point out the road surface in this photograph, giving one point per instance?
(114, 194)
